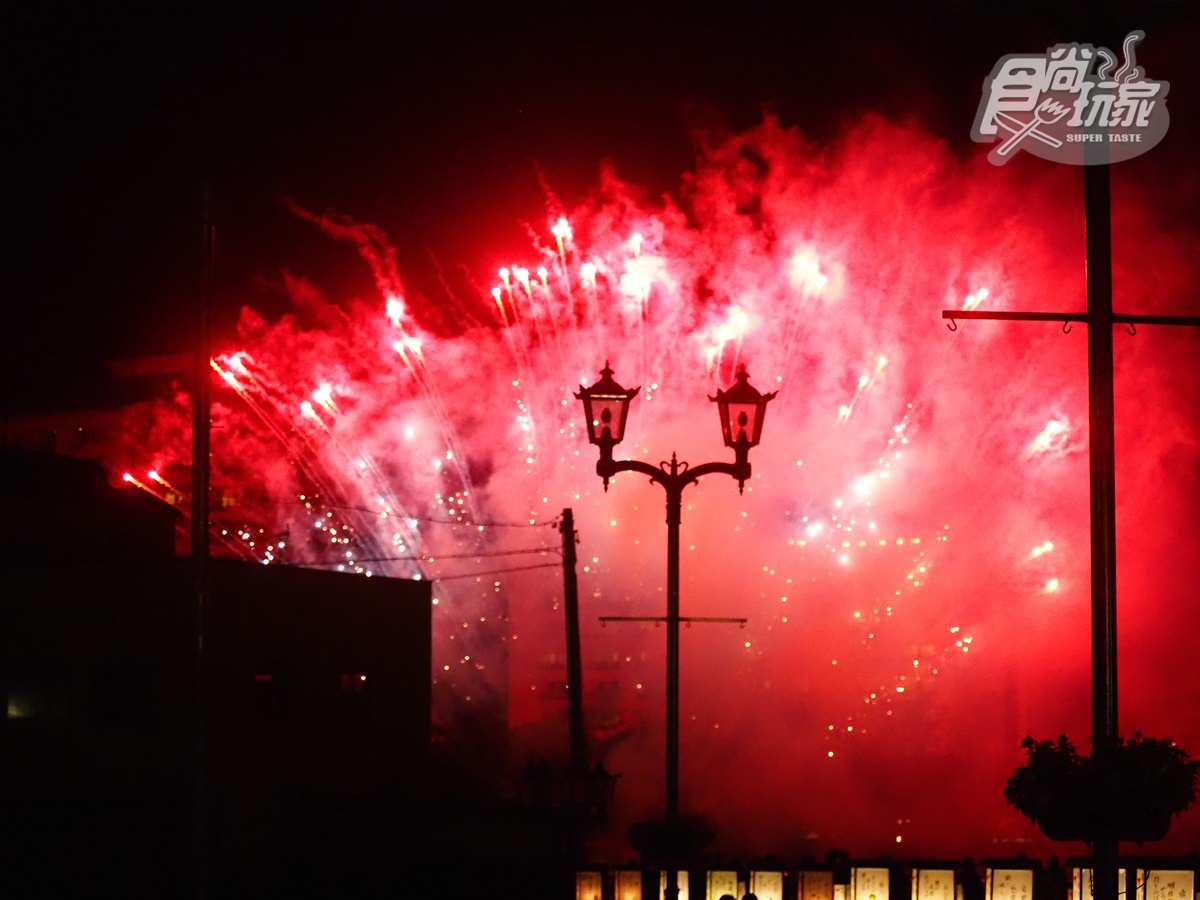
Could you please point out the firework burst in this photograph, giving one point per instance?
(881, 552)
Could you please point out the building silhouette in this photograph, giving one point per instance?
(310, 761)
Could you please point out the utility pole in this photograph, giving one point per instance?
(201, 424)
(1100, 319)
(579, 761)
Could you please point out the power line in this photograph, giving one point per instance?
(351, 562)
(473, 524)
(497, 572)
(434, 557)
(534, 524)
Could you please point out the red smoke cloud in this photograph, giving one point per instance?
(912, 552)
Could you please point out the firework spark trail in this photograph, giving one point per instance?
(735, 331)
(268, 408)
(551, 342)
(409, 349)
(562, 233)
(268, 399)
(269, 412)
(533, 345)
(278, 425)
(360, 463)
(183, 505)
(921, 566)
(543, 286)
(388, 504)
(841, 544)
(811, 268)
(374, 247)
(437, 404)
(506, 276)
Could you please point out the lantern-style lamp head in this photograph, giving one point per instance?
(606, 407)
(742, 410)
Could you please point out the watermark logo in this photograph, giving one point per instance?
(1069, 106)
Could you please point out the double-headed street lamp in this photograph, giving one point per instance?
(742, 410)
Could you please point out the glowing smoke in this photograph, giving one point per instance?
(915, 496)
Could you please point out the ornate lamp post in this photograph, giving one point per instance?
(742, 410)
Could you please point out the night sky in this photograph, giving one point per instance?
(436, 123)
(456, 132)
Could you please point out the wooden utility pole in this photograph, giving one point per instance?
(579, 761)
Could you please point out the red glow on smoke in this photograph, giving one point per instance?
(915, 495)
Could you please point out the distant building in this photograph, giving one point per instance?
(316, 691)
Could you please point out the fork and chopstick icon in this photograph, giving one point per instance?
(1049, 112)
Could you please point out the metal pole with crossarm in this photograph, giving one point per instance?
(1100, 320)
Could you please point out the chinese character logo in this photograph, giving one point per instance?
(1069, 106)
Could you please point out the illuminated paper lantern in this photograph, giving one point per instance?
(588, 886)
(721, 883)
(869, 884)
(627, 884)
(1166, 884)
(1009, 884)
(767, 885)
(933, 884)
(818, 886)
